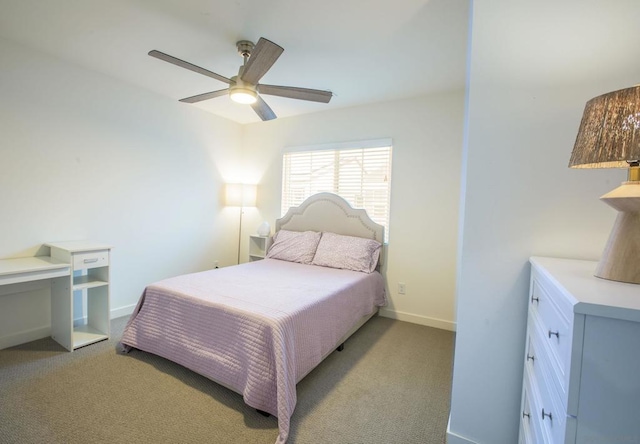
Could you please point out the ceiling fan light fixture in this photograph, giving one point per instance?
(243, 95)
(242, 92)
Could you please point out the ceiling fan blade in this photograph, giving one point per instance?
(313, 95)
(187, 65)
(263, 56)
(262, 109)
(205, 96)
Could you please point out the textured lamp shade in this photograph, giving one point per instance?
(609, 137)
(609, 134)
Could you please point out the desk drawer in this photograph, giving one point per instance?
(90, 259)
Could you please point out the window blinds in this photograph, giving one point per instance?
(360, 175)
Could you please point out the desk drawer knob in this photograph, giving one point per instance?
(554, 333)
(525, 415)
(548, 415)
(531, 358)
(535, 299)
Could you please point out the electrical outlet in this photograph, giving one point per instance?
(402, 288)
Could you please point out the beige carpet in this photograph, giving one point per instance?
(391, 384)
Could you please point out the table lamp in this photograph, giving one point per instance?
(609, 137)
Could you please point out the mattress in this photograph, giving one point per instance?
(256, 328)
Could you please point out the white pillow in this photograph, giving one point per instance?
(347, 252)
(294, 246)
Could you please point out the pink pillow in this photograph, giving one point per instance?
(347, 252)
(294, 246)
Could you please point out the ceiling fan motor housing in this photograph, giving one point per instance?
(244, 48)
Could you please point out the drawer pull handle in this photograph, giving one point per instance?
(547, 415)
(91, 261)
(530, 357)
(525, 414)
(535, 299)
(554, 333)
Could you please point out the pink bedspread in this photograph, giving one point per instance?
(257, 328)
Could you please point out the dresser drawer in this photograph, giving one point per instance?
(554, 317)
(548, 418)
(530, 424)
(540, 356)
(532, 354)
(90, 259)
(552, 414)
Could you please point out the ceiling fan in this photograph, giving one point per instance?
(244, 88)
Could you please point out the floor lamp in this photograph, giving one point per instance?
(240, 195)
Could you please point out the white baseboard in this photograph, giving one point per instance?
(44, 332)
(24, 336)
(418, 319)
(453, 438)
(122, 311)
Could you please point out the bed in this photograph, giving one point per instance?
(258, 328)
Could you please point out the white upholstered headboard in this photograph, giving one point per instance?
(330, 212)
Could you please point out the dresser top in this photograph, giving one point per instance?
(588, 294)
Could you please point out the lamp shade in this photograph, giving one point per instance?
(240, 195)
(609, 134)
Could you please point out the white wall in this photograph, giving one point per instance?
(427, 144)
(533, 67)
(83, 156)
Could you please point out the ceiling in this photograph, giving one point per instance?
(363, 54)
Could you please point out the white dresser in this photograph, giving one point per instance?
(581, 380)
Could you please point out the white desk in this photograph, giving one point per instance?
(76, 266)
(27, 269)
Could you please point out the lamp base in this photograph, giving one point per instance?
(621, 257)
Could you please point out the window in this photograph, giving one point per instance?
(360, 172)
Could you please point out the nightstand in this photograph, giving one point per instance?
(258, 247)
